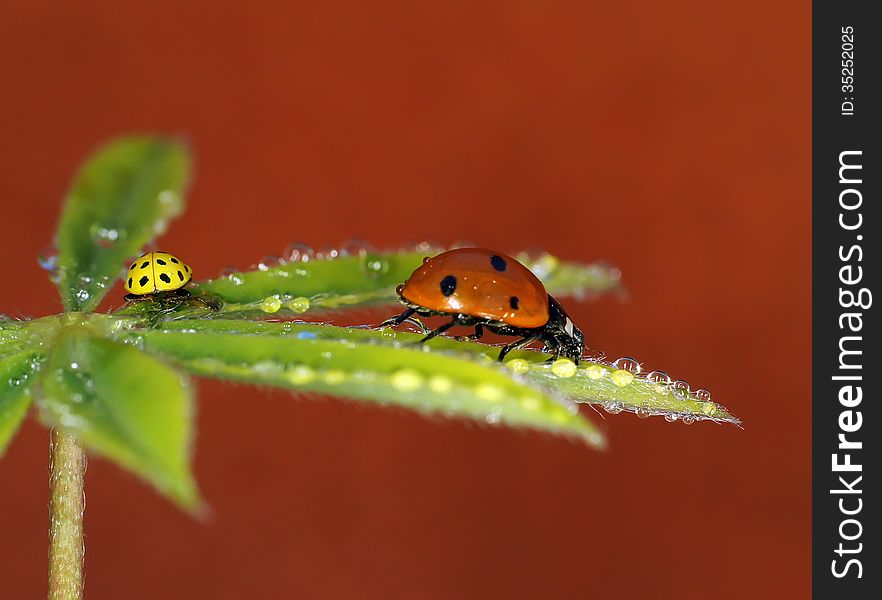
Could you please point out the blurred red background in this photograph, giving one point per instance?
(670, 138)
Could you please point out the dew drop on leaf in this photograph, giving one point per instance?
(595, 371)
(375, 266)
(440, 384)
(612, 407)
(563, 367)
(518, 365)
(298, 252)
(354, 247)
(626, 363)
(48, 259)
(300, 375)
(621, 377)
(298, 305)
(270, 304)
(406, 380)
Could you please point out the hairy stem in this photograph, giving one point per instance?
(66, 506)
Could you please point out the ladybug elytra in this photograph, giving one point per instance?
(489, 290)
(156, 272)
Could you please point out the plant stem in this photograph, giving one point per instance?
(66, 506)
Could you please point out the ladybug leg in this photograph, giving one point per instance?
(517, 344)
(397, 320)
(479, 333)
(209, 303)
(439, 331)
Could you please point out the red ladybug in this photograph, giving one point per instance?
(485, 289)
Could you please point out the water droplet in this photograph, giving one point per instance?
(629, 364)
(134, 340)
(708, 408)
(643, 412)
(82, 295)
(680, 389)
(687, 419)
(306, 335)
(703, 395)
(298, 252)
(621, 377)
(266, 368)
(327, 254)
(334, 377)
(406, 380)
(493, 416)
(440, 384)
(300, 375)
(427, 246)
(298, 305)
(518, 365)
(270, 304)
(658, 377)
(270, 262)
(74, 366)
(613, 407)
(106, 235)
(670, 417)
(564, 367)
(681, 385)
(48, 259)
(14, 381)
(595, 371)
(489, 392)
(233, 275)
(389, 333)
(354, 247)
(375, 265)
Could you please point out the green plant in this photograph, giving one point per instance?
(117, 383)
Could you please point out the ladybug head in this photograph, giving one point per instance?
(561, 334)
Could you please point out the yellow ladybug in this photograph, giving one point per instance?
(157, 272)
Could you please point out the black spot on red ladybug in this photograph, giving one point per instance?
(180, 276)
(498, 263)
(513, 302)
(165, 278)
(130, 282)
(143, 281)
(159, 261)
(448, 285)
(174, 260)
(144, 264)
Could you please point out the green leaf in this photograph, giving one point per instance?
(16, 374)
(125, 405)
(437, 382)
(320, 285)
(14, 336)
(594, 382)
(123, 196)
